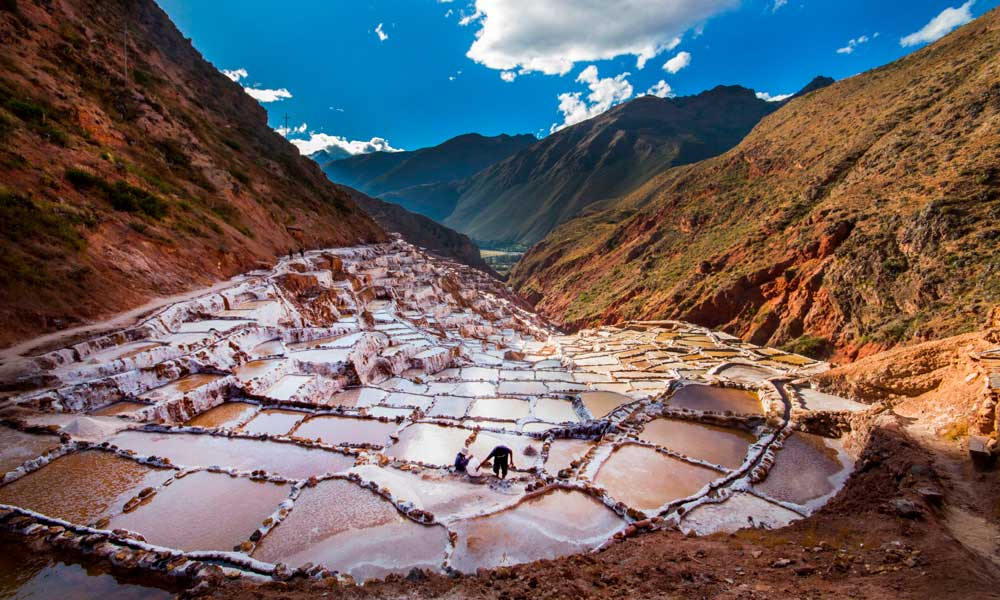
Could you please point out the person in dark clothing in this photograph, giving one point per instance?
(289, 254)
(462, 461)
(501, 456)
(302, 253)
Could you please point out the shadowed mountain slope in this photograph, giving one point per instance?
(116, 190)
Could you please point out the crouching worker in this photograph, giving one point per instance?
(462, 461)
(501, 456)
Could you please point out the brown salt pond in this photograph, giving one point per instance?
(26, 574)
(601, 403)
(273, 422)
(645, 479)
(808, 468)
(500, 408)
(256, 368)
(82, 487)
(345, 430)
(555, 411)
(180, 387)
(429, 443)
(119, 408)
(564, 451)
(17, 447)
(347, 528)
(192, 450)
(556, 524)
(524, 458)
(719, 445)
(718, 399)
(225, 415)
(176, 516)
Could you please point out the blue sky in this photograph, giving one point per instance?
(422, 76)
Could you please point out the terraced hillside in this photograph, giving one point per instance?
(118, 188)
(859, 216)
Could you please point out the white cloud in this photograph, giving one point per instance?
(769, 98)
(604, 93)
(265, 95)
(549, 37)
(322, 141)
(235, 74)
(258, 94)
(778, 4)
(661, 89)
(939, 26)
(508, 76)
(382, 36)
(283, 132)
(853, 43)
(678, 62)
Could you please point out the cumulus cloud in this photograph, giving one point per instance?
(660, 89)
(777, 98)
(258, 94)
(853, 43)
(508, 76)
(322, 141)
(283, 131)
(548, 37)
(939, 26)
(678, 62)
(235, 74)
(604, 93)
(382, 36)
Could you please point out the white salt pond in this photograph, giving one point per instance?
(333, 439)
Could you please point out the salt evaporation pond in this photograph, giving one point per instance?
(26, 575)
(343, 458)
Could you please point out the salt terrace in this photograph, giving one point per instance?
(302, 421)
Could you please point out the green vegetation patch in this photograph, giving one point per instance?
(811, 346)
(122, 195)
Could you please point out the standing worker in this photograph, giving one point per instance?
(501, 456)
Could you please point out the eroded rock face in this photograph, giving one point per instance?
(358, 374)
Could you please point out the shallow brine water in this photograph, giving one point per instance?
(225, 415)
(718, 445)
(192, 450)
(556, 524)
(718, 399)
(82, 487)
(175, 516)
(345, 430)
(807, 468)
(352, 530)
(273, 422)
(17, 447)
(645, 479)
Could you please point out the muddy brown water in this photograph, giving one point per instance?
(26, 574)
(180, 387)
(345, 430)
(273, 422)
(17, 447)
(119, 408)
(175, 517)
(601, 403)
(350, 529)
(83, 486)
(193, 450)
(806, 468)
(227, 414)
(556, 524)
(711, 398)
(719, 445)
(645, 479)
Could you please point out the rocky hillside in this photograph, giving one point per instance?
(116, 190)
(520, 199)
(854, 218)
(422, 231)
(382, 173)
